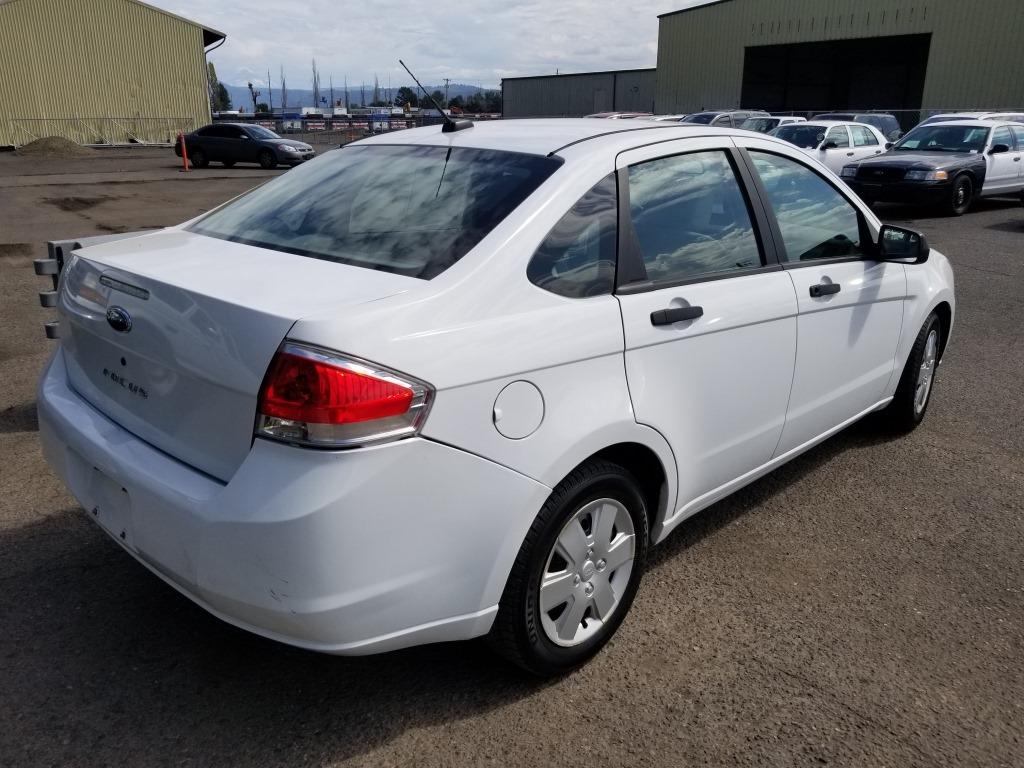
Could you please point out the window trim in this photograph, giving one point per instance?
(630, 271)
(776, 231)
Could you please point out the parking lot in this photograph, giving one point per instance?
(863, 605)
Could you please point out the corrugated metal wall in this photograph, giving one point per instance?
(98, 70)
(577, 95)
(975, 58)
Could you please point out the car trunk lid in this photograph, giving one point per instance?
(170, 334)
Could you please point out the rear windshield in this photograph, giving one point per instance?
(802, 134)
(759, 124)
(411, 210)
(700, 117)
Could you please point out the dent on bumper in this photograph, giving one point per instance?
(346, 552)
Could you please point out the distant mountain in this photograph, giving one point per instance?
(298, 98)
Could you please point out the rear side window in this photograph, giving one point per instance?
(815, 220)
(690, 218)
(577, 258)
(411, 210)
(862, 137)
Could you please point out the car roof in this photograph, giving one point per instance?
(975, 123)
(540, 136)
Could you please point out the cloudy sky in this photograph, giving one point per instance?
(474, 41)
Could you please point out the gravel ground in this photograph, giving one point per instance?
(861, 606)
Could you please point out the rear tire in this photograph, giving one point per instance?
(198, 158)
(577, 572)
(961, 196)
(914, 392)
(267, 160)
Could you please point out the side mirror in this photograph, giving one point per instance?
(888, 145)
(998, 149)
(897, 244)
(830, 145)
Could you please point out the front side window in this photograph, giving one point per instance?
(863, 137)
(690, 218)
(577, 258)
(259, 132)
(1002, 135)
(412, 210)
(815, 220)
(839, 137)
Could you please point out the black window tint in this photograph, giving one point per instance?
(412, 210)
(232, 132)
(839, 136)
(816, 221)
(863, 137)
(690, 217)
(577, 258)
(1002, 136)
(207, 131)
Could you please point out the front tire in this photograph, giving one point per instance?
(914, 392)
(577, 572)
(198, 158)
(961, 196)
(267, 160)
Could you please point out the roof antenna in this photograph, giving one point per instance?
(449, 124)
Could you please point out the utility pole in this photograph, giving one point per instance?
(270, 89)
(446, 81)
(330, 79)
(346, 93)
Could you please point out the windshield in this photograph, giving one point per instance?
(802, 135)
(700, 117)
(262, 133)
(944, 138)
(411, 210)
(759, 124)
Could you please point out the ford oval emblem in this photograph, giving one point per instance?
(119, 319)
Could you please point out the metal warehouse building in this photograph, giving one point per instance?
(816, 55)
(100, 71)
(626, 90)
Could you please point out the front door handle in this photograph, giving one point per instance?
(675, 315)
(849, 154)
(824, 289)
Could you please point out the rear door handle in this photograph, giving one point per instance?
(675, 315)
(824, 289)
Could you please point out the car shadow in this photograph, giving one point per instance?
(105, 664)
(865, 433)
(898, 212)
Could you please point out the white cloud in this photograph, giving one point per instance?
(476, 42)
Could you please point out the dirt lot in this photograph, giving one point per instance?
(862, 606)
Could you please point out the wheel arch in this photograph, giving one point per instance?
(644, 463)
(945, 313)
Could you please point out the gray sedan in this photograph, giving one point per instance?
(231, 143)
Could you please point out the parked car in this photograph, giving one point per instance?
(768, 124)
(833, 144)
(423, 389)
(886, 124)
(945, 165)
(724, 119)
(1013, 117)
(667, 118)
(230, 143)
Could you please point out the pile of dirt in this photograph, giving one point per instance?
(53, 146)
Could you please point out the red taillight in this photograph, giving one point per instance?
(302, 389)
(317, 397)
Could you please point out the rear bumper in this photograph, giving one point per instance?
(912, 193)
(348, 552)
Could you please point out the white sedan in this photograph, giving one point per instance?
(834, 144)
(457, 382)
